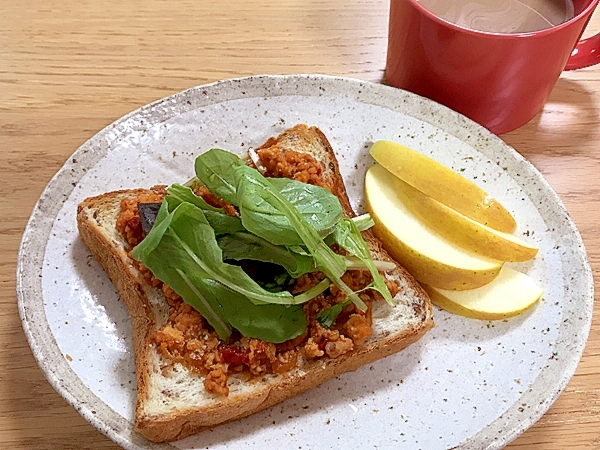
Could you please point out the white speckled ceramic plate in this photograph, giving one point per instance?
(468, 384)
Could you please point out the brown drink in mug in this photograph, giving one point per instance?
(502, 16)
(495, 61)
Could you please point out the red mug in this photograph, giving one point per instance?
(499, 80)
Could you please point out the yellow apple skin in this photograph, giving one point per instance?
(429, 257)
(509, 294)
(443, 184)
(462, 230)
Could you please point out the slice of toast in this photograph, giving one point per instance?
(175, 404)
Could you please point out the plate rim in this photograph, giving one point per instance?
(504, 428)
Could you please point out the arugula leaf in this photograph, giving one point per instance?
(363, 222)
(191, 235)
(222, 223)
(182, 248)
(171, 252)
(349, 238)
(159, 246)
(179, 194)
(353, 263)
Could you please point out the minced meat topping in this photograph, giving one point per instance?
(290, 164)
(188, 339)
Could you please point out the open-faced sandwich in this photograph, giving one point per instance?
(251, 283)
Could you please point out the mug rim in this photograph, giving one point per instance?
(585, 12)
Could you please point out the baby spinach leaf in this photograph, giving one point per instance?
(262, 218)
(320, 208)
(215, 168)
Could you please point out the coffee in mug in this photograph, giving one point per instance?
(500, 79)
(502, 16)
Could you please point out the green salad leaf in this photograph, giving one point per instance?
(218, 219)
(244, 245)
(349, 238)
(190, 235)
(271, 323)
(253, 188)
(363, 222)
(181, 250)
(161, 253)
(216, 170)
(179, 194)
(280, 222)
(319, 207)
(327, 316)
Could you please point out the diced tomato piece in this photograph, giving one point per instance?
(233, 355)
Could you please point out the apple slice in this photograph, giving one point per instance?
(443, 184)
(462, 230)
(509, 294)
(430, 257)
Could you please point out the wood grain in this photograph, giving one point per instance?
(68, 69)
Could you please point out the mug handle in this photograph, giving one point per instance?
(586, 53)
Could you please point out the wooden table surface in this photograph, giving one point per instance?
(68, 69)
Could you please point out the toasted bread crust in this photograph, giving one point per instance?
(113, 258)
(184, 423)
(178, 422)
